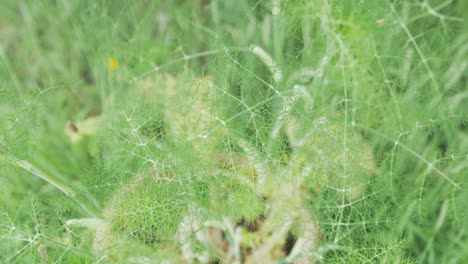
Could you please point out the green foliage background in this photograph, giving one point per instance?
(391, 72)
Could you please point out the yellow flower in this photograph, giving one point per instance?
(113, 63)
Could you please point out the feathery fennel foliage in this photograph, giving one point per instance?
(308, 131)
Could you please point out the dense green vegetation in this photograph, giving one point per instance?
(247, 131)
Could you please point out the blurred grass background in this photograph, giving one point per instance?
(396, 69)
